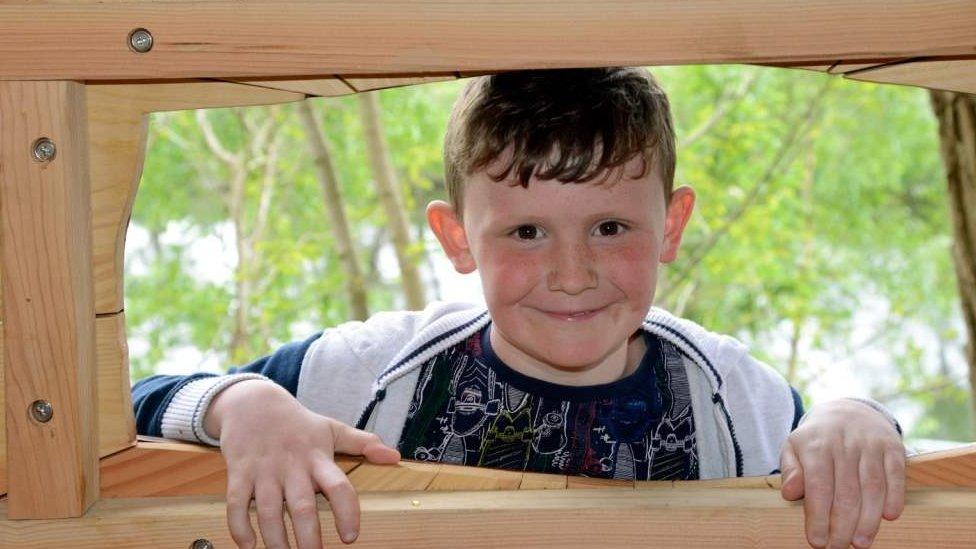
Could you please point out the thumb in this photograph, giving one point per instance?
(792, 488)
(356, 442)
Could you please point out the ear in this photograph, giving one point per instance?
(680, 206)
(443, 220)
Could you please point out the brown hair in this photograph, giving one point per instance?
(560, 114)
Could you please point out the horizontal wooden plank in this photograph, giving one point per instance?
(955, 467)
(367, 83)
(332, 86)
(678, 517)
(166, 468)
(317, 86)
(157, 467)
(843, 67)
(267, 38)
(954, 75)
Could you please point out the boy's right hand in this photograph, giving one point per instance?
(279, 451)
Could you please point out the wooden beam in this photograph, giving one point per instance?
(116, 422)
(157, 467)
(954, 75)
(3, 411)
(332, 86)
(367, 83)
(267, 38)
(315, 86)
(49, 316)
(608, 517)
(955, 467)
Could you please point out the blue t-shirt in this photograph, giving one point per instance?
(470, 408)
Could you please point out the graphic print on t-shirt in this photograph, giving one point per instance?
(469, 408)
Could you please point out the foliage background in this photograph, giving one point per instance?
(821, 235)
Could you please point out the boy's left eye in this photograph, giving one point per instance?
(609, 228)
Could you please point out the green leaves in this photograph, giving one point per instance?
(819, 199)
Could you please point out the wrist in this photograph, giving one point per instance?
(243, 392)
(847, 405)
(879, 408)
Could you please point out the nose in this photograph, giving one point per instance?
(572, 268)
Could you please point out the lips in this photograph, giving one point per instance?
(577, 315)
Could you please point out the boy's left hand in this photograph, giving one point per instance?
(848, 463)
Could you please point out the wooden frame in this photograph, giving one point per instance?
(63, 325)
(417, 36)
(602, 517)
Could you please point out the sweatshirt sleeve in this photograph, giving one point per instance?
(173, 406)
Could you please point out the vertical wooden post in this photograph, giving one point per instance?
(48, 311)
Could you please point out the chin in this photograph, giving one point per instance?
(576, 357)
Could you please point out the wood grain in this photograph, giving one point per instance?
(49, 317)
(156, 467)
(957, 75)
(956, 467)
(315, 86)
(266, 38)
(677, 517)
(116, 422)
(368, 83)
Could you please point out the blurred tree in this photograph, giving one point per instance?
(956, 113)
(388, 190)
(355, 285)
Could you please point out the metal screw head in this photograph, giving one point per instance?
(41, 411)
(201, 544)
(140, 41)
(44, 150)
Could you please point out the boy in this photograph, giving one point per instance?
(561, 197)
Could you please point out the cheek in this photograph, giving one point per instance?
(507, 275)
(633, 268)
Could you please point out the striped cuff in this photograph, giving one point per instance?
(880, 409)
(183, 419)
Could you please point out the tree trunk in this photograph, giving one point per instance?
(355, 284)
(956, 113)
(388, 189)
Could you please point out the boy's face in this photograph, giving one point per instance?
(568, 269)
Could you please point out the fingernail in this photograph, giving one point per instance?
(862, 541)
(818, 541)
(350, 537)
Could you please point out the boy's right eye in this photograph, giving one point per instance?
(527, 232)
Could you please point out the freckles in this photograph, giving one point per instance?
(633, 268)
(510, 276)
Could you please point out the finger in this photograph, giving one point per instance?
(239, 494)
(342, 498)
(846, 507)
(267, 495)
(792, 487)
(818, 494)
(894, 465)
(304, 512)
(872, 478)
(356, 442)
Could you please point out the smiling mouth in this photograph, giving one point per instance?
(574, 316)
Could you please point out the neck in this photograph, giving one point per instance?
(621, 362)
